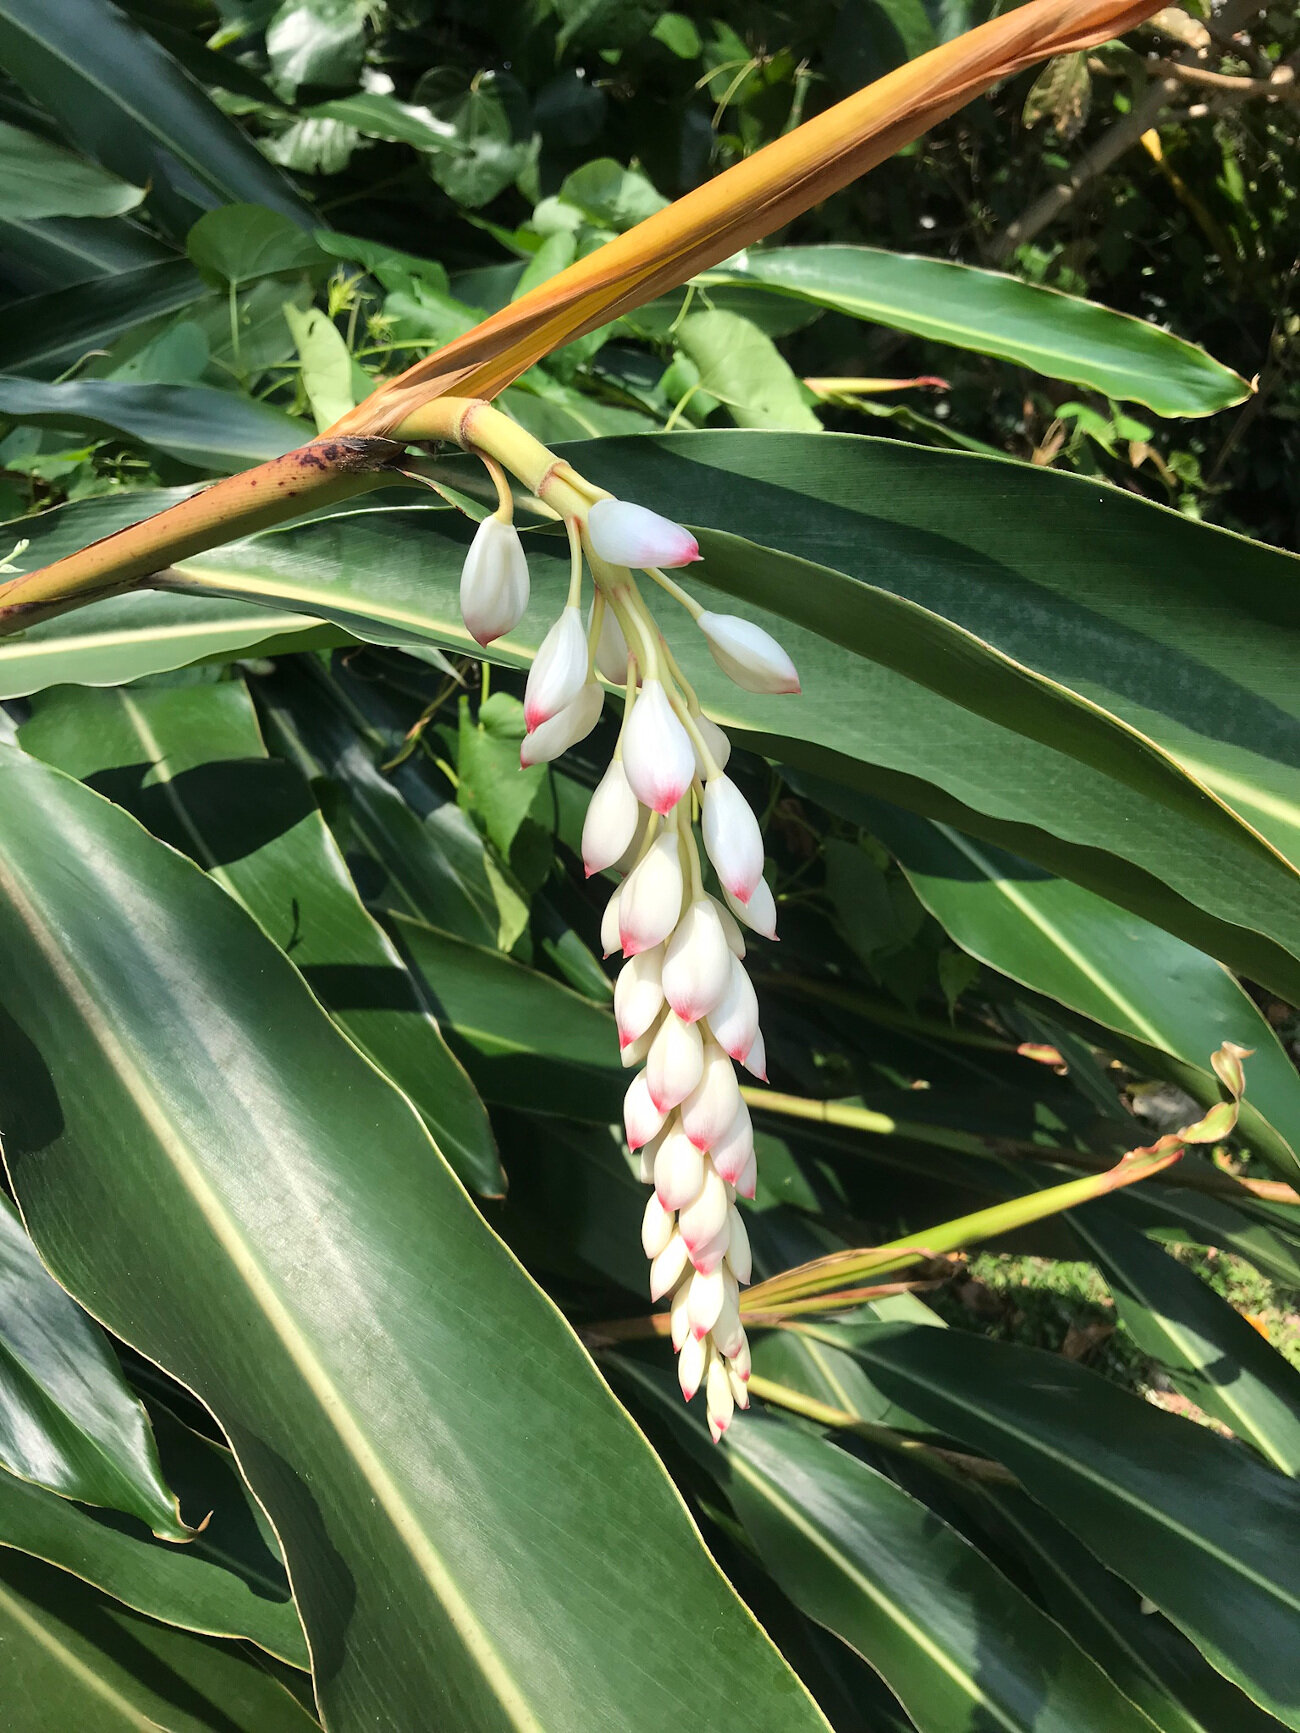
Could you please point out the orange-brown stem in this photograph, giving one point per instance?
(321, 473)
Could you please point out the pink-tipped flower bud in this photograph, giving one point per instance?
(611, 648)
(675, 1061)
(728, 1332)
(710, 1253)
(759, 913)
(735, 1148)
(637, 1051)
(650, 901)
(740, 1361)
(656, 1226)
(717, 1394)
(706, 1215)
(692, 1364)
(746, 1181)
(610, 936)
(679, 1172)
(709, 1111)
(666, 1270)
(657, 755)
(731, 927)
(697, 964)
(642, 1120)
(755, 1061)
(632, 535)
(638, 995)
(738, 1254)
(559, 670)
(493, 581)
(611, 821)
(679, 1322)
(739, 1386)
(717, 742)
(747, 654)
(563, 730)
(732, 838)
(704, 1301)
(734, 1020)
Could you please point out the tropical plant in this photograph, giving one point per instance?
(330, 1391)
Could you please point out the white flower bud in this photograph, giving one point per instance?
(632, 535)
(746, 1181)
(732, 838)
(747, 654)
(709, 1111)
(731, 927)
(563, 730)
(675, 1061)
(721, 1403)
(679, 1322)
(611, 650)
(559, 670)
(610, 825)
(738, 1254)
(645, 1164)
(650, 902)
(638, 995)
(636, 1052)
(717, 742)
(697, 964)
(705, 1215)
(494, 581)
(704, 1300)
(728, 1332)
(666, 1270)
(610, 941)
(642, 1120)
(679, 1172)
(710, 1253)
(656, 1226)
(755, 1061)
(739, 1388)
(658, 758)
(740, 1362)
(734, 1020)
(759, 913)
(735, 1148)
(692, 1363)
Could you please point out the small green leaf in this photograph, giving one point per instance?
(742, 367)
(240, 243)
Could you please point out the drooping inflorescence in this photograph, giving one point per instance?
(684, 1005)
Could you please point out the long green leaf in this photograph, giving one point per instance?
(211, 429)
(957, 1644)
(67, 1419)
(229, 1580)
(40, 179)
(69, 1657)
(1061, 336)
(1207, 1533)
(124, 99)
(45, 333)
(475, 1533)
(190, 764)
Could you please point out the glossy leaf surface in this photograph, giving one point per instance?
(1060, 336)
(67, 1419)
(269, 1185)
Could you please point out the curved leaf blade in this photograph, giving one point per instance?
(45, 333)
(1060, 336)
(295, 1219)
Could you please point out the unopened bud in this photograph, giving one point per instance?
(679, 1322)
(709, 1111)
(747, 654)
(610, 937)
(739, 1256)
(638, 995)
(632, 535)
(692, 1363)
(675, 1061)
(563, 730)
(611, 821)
(697, 964)
(759, 913)
(706, 1215)
(718, 743)
(708, 1254)
(642, 1120)
(731, 927)
(637, 1050)
(739, 1388)
(735, 1148)
(704, 1301)
(740, 1361)
(717, 1394)
(732, 838)
(755, 1061)
(734, 1020)
(728, 1332)
(611, 648)
(656, 1226)
(679, 1171)
(650, 901)
(658, 758)
(746, 1181)
(494, 581)
(666, 1270)
(559, 670)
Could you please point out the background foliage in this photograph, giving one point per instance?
(1032, 828)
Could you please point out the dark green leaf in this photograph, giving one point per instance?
(241, 243)
(46, 332)
(40, 179)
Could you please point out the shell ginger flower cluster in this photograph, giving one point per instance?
(685, 1008)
